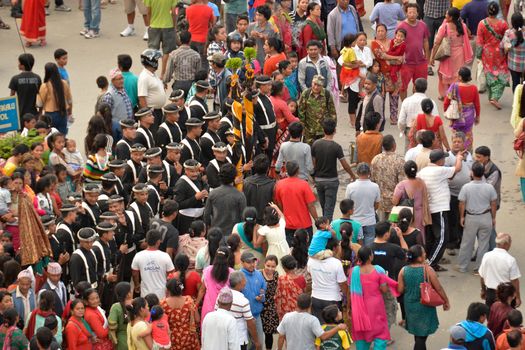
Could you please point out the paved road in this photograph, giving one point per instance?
(91, 58)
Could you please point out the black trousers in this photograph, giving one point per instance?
(455, 229)
(437, 237)
(159, 119)
(318, 305)
(290, 232)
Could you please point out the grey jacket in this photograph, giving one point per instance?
(224, 208)
(334, 26)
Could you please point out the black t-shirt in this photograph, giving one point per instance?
(326, 154)
(385, 255)
(170, 235)
(26, 86)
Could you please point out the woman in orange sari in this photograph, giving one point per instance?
(33, 27)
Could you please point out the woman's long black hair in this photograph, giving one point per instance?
(53, 77)
(250, 220)
(454, 13)
(122, 290)
(517, 23)
(221, 268)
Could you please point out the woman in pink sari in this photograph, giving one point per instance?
(214, 278)
(460, 50)
(367, 284)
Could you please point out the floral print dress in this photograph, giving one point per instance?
(182, 325)
(269, 317)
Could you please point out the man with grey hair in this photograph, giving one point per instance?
(411, 107)
(240, 310)
(372, 102)
(366, 196)
(455, 184)
(498, 266)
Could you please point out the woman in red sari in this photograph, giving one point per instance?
(312, 29)
(283, 117)
(33, 27)
(97, 320)
(289, 286)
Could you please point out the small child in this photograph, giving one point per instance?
(317, 249)
(293, 108)
(350, 68)
(341, 340)
(397, 48)
(103, 85)
(5, 195)
(376, 69)
(160, 330)
(29, 121)
(234, 46)
(65, 187)
(61, 61)
(72, 155)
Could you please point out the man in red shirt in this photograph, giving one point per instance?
(200, 19)
(297, 201)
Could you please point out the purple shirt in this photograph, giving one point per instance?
(416, 35)
(473, 13)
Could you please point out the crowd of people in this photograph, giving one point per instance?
(191, 220)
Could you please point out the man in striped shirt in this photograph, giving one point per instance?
(182, 64)
(240, 310)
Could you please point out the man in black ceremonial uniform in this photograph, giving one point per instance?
(129, 132)
(83, 263)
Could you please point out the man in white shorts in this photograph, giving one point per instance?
(129, 8)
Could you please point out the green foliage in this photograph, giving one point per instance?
(250, 53)
(234, 63)
(7, 144)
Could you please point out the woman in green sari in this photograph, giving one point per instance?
(247, 231)
(118, 319)
(313, 29)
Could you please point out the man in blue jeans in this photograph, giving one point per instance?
(254, 291)
(325, 154)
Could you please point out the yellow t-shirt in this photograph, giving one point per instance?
(460, 3)
(348, 55)
(345, 337)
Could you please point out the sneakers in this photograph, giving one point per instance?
(128, 31)
(91, 34)
(84, 31)
(146, 36)
(62, 8)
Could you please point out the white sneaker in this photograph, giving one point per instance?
(128, 31)
(146, 36)
(84, 31)
(91, 35)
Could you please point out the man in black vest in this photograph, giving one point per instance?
(133, 167)
(220, 152)
(177, 97)
(83, 263)
(265, 115)
(173, 154)
(129, 132)
(105, 263)
(89, 212)
(118, 167)
(153, 157)
(210, 137)
(198, 105)
(54, 284)
(372, 102)
(169, 131)
(146, 120)
(192, 149)
(190, 193)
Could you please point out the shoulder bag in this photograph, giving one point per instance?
(443, 51)
(519, 144)
(453, 111)
(429, 296)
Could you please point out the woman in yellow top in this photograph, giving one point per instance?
(54, 98)
(139, 331)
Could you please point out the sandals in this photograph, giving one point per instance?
(495, 104)
(4, 25)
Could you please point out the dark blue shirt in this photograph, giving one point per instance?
(473, 13)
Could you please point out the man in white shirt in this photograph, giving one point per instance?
(240, 310)
(498, 266)
(366, 196)
(152, 266)
(436, 177)
(328, 281)
(219, 328)
(411, 107)
(150, 88)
